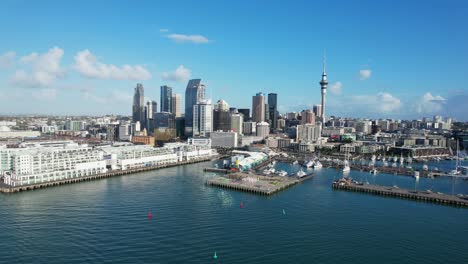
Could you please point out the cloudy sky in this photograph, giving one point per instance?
(395, 59)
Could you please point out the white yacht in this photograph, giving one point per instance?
(317, 164)
(282, 173)
(301, 173)
(425, 167)
(309, 164)
(373, 171)
(416, 175)
(295, 162)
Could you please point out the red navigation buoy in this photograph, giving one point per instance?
(150, 215)
(241, 205)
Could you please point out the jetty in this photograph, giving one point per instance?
(255, 183)
(4, 188)
(348, 184)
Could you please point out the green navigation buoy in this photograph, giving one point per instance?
(215, 256)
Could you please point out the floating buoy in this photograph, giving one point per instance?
(150, 215)
(241, 205)
(284, 212)
(215, 256)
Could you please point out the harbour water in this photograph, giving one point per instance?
(106, 221)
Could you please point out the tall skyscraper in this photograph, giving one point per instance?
(166, 99)
(318, 110)
(323, 85)
(149, 115)
(194, 93)
(138, 111)
(176, 105)
(273, 109)
(221, 120)
(202, 119)
(258, 108)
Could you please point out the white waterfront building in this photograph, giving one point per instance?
(33, 163)
(44, 163)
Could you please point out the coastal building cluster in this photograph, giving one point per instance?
(156, 134)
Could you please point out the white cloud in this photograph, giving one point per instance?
(383, 103)
(45, 94)
(88, 66)
(164, 30)
(114, 97)
(430, 104)
(365, 74)
(181, 38)
(44, 69)
(179, 75)
(336, 88)
(7, 59)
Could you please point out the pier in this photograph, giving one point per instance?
(425, 196)
(254, 183)
(13, 189)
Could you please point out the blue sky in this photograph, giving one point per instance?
(392, 59)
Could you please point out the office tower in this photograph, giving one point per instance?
(291, 115)
(166, 99)
(258, 108)
(202, 119)
(237, 121)
(176, 105)
(273, 110)
(124, 132)
(245, 112)
(233, 110)
(308, 117)
(194, 93)
(138, 114)
(281, 123)
(323, 86)
(317, 110)
(149, 111)
(308, 133)
(221, 120)
(267, 114)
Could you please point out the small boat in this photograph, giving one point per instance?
(317, 165)
(282, 173)
(346, 168)
(425, 167)
(373, 171)
(416, 175)
(309, 164)
(295, 162)
(301, 173)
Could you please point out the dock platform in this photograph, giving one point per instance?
(425, 196)
(254, 183)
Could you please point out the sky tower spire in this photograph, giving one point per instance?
(323, 86)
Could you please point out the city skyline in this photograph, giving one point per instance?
(375, 66)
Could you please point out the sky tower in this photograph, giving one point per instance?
(323, 85)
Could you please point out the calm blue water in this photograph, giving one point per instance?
(107, 221)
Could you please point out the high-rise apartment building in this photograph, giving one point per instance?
(308, 117)
(194, 94)
(202, 119)
(317, 110)
(237, 122)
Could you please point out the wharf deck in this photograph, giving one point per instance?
(13, 189)
(254, 183)
(425, 196)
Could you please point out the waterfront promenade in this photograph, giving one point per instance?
(4, 188)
